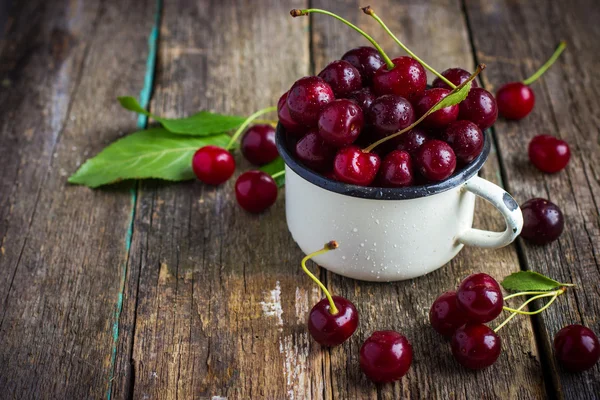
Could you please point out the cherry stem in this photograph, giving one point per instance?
(369, 11)
(554, 294)
(561, 47)
(297, 13)
(370, 148)
(245, 124)
(266, 121)
(278, 174)
(328, 246)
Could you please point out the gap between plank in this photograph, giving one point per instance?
(142, 123)
(551, 381)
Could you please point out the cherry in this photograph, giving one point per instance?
(258, 144)
(283, 113)
(313, 152)
(479, 107)
(412, 140)
(515, 100)
(352, 165)
(440, 118)
(396, 170)
(366, 60)
(480, 298)
(340, 122)
(306, 98)
(455, 75)
(475, 346)
(435, 160)
(445, 316)
(389, 114)
(576, 347)
(332, 329)
(364, 98)
(342, 76)
(385, 356)
(549, 154)
(543, 221)
(407, 78)
(213, 165)
(255, 191)
(465, 138)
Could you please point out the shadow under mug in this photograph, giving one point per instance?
(391, 234)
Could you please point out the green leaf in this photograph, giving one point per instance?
(152, 153)
(524, 281)
(203, 123)
(274, 167)
(452, 99)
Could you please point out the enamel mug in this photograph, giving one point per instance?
(391, 234)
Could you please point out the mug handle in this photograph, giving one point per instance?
(504, 203)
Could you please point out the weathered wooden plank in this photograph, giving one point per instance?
(216, 295)
(438, 33)
(62, 248)
(516, 39)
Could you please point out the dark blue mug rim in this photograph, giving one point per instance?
(380, 193)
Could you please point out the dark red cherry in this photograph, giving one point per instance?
(366, 60)
(548, 153)
(306, 99)
(479, 107)
(340, 122)
(363, 97)
(332, 329)
(440, 118)
(407, 79)
(396, 170)
(258, 144)
(352, 165)
(389, 114)
(480, 298)
(465, 138)
(313, 152)
(543, 221)
(385, 356)
(445, 316)
(576, 347)
(454, 75)
(283, 113)
(412, 140)
(342, 76)
(515, 100)
(435, 160)
(255, 191)
(475, 346)
(213, 165)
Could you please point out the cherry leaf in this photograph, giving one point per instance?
(152, 153)
(524, 281)
(273, 168)
(203, 123)
(452, 99)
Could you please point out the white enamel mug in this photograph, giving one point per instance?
(391, 234)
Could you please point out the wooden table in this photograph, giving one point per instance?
(153, 290)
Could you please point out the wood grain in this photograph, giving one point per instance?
(522, 37)
(438, 33)
(62, 248)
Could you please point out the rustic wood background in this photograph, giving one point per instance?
(150, 290)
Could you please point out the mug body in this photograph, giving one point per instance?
(380, 240)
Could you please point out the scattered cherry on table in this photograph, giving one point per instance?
(385, 356)
(332, 329)
(258, 144)
(548, 153)
(445, 316)
(255, 191)
(480, 298)
(543, 221)
(475, 346)
(213, 165)
(576, 347)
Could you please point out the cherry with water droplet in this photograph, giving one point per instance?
(313, 152)
(475, 346)
(445, 316)
(342, 76)
(440, 118)
(407, 79)
(364, 98)
(352, 165)
(479, 107)
(340, 122)
(389, 114)
(283, 114)
(455, 75)
(435, 160)
(412, 140)
(465, 138)
(396, 170)
(366, 60)
(306, 99)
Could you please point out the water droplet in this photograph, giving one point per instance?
(395, 245)
(362, 245)
(377, 221)
(374, 244)
(355, 230)
(343, 257)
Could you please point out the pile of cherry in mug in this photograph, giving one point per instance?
(329, 119)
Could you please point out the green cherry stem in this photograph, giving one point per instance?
(328, 246)
(369, 11)
(435, 107)
(245, 124)
(297, 13)
(278, 174)
(514, 312)
(559, 49)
